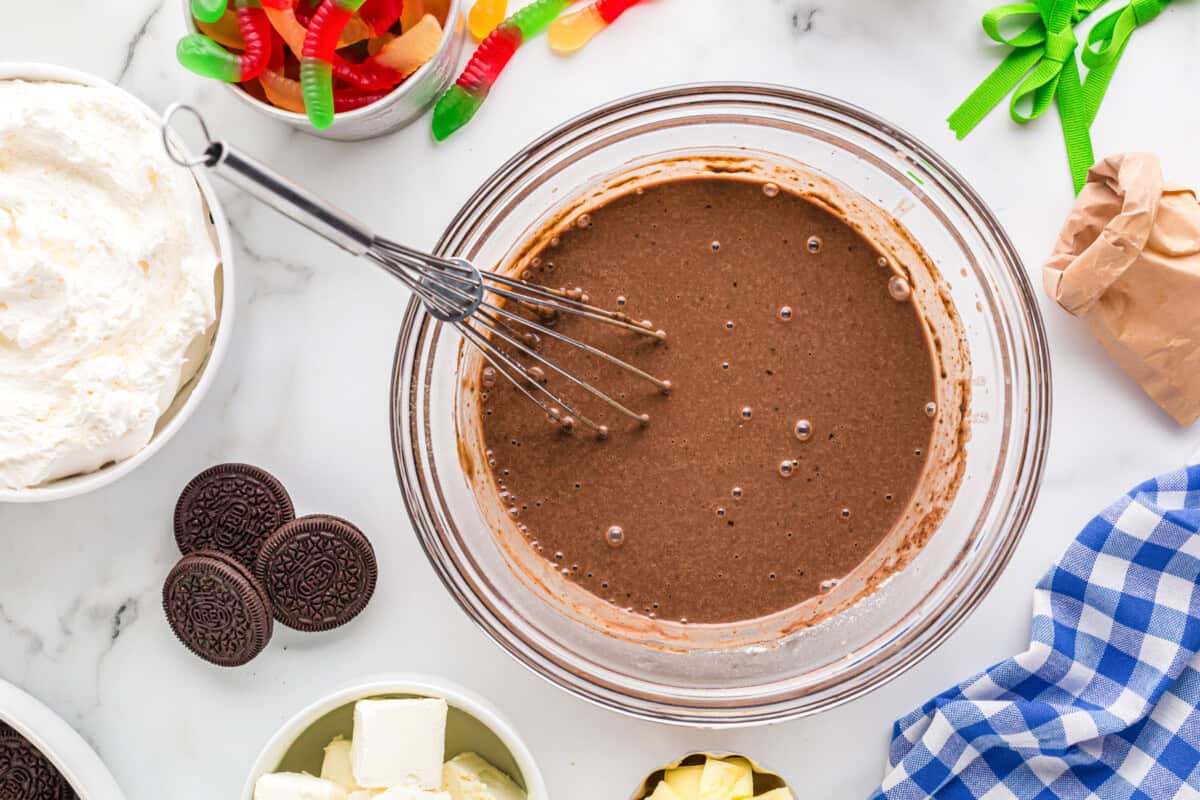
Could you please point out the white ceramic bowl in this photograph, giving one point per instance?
(65, 748)
(473, 726)
(191, 393)
(404, 104)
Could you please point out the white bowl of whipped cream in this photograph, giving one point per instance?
(114, 267)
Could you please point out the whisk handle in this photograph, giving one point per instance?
(270, 187)
(291, 200)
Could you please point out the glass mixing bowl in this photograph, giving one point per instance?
(889, 630)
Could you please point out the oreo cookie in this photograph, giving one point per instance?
(217, 608)
(320, 572)
(232, 509)
(26, 774)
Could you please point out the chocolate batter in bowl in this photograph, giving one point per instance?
(943, 361)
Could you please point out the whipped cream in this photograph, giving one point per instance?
(107, 265)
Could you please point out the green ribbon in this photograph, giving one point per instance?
(1042, 68)
(1044, 46)
(1106, 44)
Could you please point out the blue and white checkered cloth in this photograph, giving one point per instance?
(1105, 703)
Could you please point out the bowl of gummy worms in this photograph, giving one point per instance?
(352, 69)
(340, 69)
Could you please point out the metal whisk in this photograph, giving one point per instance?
(478, 303)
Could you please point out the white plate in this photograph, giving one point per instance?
(59, 742)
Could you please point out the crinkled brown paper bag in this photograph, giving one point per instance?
(1127, 262)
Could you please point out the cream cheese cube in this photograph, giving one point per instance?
(296, 786)
(469, 777)
(337, 767)
(399, 743)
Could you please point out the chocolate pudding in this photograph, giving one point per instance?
(804, 398)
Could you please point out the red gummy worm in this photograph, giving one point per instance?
(609, 10)
(489, 59)
(278, 52)
(381, 15)
(324, 30)
(370, 75)
(257, 34)
(304, 10)
(350, 99)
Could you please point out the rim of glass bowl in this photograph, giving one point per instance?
(1027, 380)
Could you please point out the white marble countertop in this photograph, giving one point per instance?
(304, 390)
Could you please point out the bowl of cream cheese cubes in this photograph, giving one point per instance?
(396, 738)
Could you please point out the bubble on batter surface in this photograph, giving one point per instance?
(899, 289)
(803, 430)
(814, 244)
(615, 536)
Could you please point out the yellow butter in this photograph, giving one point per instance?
(718, 779)
(744, 788)
(664, 792)
(685, 781)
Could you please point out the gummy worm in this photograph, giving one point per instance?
(367, 76)
(381, 15)
(289, 25)
(572, 31)
(459, 104)
(484, 16)
(411, 49)
(316, 63)
(203, 56)
(287, 94)
(412, 13)
(208, 10)
(305, 10)
(224, 31)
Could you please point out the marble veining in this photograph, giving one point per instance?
(304, 388)
(804, 18)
